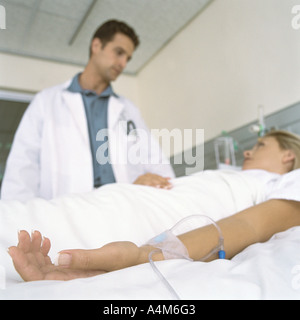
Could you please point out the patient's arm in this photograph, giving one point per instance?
(31, 260)
(256, 224)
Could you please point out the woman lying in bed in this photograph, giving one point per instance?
(277, 152)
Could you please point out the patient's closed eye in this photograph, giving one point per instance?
(258, 145)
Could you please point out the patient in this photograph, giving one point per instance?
(277, 152)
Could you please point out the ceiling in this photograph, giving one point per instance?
(61, 30)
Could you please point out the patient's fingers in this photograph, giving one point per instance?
(24, 241)
(36, 241)
(25, 268)
(36, 246)
(45, 248)
(46, 245)
(40, 248)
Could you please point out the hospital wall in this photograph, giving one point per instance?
(234, 56)
(24, 74)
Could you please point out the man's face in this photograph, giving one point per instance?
(111, 60)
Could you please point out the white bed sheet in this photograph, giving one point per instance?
(127, 212)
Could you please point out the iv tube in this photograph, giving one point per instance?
(260, 127)
(261, 121)
(218, 248)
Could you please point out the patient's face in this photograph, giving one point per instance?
(266, 155)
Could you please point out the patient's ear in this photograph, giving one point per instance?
(288, 156)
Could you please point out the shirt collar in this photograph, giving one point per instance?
(76, 88)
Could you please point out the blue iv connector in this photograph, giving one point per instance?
(222, 254)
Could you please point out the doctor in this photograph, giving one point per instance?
(81, 135)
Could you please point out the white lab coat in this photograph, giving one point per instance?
(51, 153)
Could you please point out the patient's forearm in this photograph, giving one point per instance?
(256, 224)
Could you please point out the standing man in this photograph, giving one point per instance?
(76, 136)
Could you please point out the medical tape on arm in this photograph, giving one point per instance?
(173, 248)
(170, 245)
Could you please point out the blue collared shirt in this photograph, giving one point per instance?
(96, 109)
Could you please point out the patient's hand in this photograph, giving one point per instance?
(154, 180)
(31, 260)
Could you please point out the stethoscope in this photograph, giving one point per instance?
(132, 131)
(130, 126)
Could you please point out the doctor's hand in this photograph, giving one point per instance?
(154, 180)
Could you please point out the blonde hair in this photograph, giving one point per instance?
(288, 141)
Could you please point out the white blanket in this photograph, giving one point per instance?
(136, 213)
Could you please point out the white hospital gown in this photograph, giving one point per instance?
(286, 186)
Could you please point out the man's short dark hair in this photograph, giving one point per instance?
(109, 29)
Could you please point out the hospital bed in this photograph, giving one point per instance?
(116, 212)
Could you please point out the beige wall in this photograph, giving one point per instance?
(236, 55)
(32, 75)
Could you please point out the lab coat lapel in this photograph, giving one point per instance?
(75, 105)
(115, 109)
(117, 139)
(79, 139)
